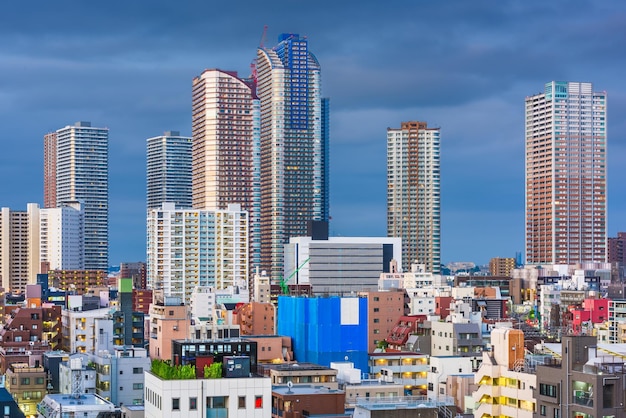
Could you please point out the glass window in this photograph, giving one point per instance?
(193, 404)
(242, 402)
(258, 402)
(175, 404)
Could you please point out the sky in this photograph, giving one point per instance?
(463, 66)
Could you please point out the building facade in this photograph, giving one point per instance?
(294, 126)
(499, 266)
(193, 247)
(566, 170)
(168, 174)
(413, 193)
(82, 174)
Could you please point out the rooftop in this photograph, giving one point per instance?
(303, 390)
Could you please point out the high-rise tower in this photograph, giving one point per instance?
(50, 170)
(294, 141)
(566, 194)
(413, 193)
(82, 174)
(168, 173)
(225, 122)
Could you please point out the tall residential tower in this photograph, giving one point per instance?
(294, 144)
(566, 168)
(225, 145)
(168, 173)
(82, 174)
(413, 193)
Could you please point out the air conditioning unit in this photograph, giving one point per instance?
(175, 327)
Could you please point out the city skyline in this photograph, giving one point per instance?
(463, 67)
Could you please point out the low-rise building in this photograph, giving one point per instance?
(27, 385)
(307, 400)
(299, 374)
(236, 397)
(84, 406)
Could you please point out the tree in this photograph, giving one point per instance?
(214, 371)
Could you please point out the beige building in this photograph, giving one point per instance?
(504, 389)
(169, 320)
(299, 374)
(19, 247)
(501, 266)
(27, 385)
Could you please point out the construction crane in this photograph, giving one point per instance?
(283, 282)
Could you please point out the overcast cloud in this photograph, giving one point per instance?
(463, 66)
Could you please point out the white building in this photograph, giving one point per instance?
(79, 328)
(502, 376)
(339, 264)
(62, 237)
(192, 247)
(19, 247)
(82, 174)
(85, 406)
(413, 193)
(120, 377)
(199, 398)
(75, 377)
(440, 368)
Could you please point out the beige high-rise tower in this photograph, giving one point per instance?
(224, 140)
(566, 169)
(413, 193)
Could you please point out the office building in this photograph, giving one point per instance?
(294, 143)
(339, 265)
(50, 170)
(413, 193)
(19, 247)
(566, 170)
(82, 174)
(190, 248)
(226, 147)
(168, 174)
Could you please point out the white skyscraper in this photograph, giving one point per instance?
(196, 247)
(413, 193)
(566, 170)
(82, 175)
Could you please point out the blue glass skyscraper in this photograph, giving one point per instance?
(294, 145)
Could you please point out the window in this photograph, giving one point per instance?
(171, 313)
(121, 371)
(242, 402)
(376, 309)
(547, 390)
(258, 402)
(542, 410)
(175, 404)
(39, 380)
(137, 370)
(137, 386)
(193, 404)
(26, 380)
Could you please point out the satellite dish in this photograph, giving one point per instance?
(346, 358)
(289, 385)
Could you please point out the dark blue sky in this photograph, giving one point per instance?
(463, 66)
